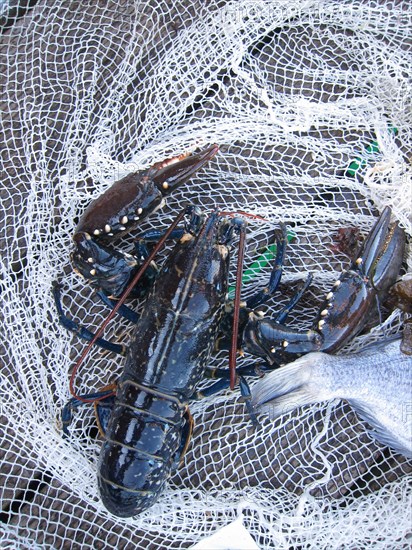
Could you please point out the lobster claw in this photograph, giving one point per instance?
(129, 200)
(171, 173)
(346, 308)
(118, 211)
(345, 311)
(107, 270)
(381, 255)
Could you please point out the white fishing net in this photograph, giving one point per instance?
(310, 104)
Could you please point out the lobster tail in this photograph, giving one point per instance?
(143, 441)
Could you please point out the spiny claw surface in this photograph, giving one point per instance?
(347, 306)
(345, 310)
(119, 210)
(135, 196)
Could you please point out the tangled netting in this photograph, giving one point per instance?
(309, 102)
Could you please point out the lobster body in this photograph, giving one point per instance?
(170, 348)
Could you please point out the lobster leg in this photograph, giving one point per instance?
(247, 315)
(73, 404)
(247, 398)
(284, 312)
(223, 342)
(186, 436)
(224, 384)
(264, 295)
(77, 329)
(213, 373)
(123, 310)
(103, 402)
(222, 377)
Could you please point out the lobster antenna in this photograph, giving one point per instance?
(242, 213)
(236, 307)
(120, 302)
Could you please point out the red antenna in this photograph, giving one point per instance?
(236, 307)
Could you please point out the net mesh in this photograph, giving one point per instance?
(310, 104)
